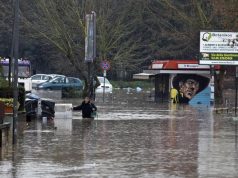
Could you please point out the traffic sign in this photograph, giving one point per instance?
(105, 65)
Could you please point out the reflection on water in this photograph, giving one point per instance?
(130, 138)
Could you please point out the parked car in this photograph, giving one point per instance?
(41, 78)
(108, 86)
(55, 75)
(61, 83)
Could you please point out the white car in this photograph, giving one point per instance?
(108, 86)
(41, 78)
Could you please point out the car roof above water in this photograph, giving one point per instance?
(101, 79)
(55, 75)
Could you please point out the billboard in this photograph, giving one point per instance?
(90, 39)
(218, 48)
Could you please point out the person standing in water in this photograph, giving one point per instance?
(87, 108)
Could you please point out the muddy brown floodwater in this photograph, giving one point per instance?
(132, 137)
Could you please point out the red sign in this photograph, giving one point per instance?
(105, 65)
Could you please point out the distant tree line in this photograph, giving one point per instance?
(130, 34)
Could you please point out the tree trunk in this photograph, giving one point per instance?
(219, 85)
(86, 88)
(9, 72)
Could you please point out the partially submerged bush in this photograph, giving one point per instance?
(7, 93)
(7, 101)
(3, 82)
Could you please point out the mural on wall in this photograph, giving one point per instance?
(190, 88)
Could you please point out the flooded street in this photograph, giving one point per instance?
(131, 137)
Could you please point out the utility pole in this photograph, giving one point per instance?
(15, 53)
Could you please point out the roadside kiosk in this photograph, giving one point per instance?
(193, 83)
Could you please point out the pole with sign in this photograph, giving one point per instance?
(219, 48)
(236, 90)
(15, 52)
(105, 65)
(90, 47)
(104, 76)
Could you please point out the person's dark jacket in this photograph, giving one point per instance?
(87, 109)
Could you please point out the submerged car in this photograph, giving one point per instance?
(61, 83)
(41, 78)
(108, 85)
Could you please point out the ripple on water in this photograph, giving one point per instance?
(130, 138)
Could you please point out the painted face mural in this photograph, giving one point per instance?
(189, 88)
(188, 85)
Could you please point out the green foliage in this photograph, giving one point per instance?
(3, 82)
(7, 92)
(7, 101)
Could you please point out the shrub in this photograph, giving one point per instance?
(3, 82)
(7, 92)
(7, 101)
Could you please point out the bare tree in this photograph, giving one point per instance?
(128, 32)
(62, 24)
(6, 24)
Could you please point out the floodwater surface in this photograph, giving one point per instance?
(131, 137)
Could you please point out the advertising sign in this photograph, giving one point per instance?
(219, 42)
(219, 48)
(90, 39)
(219, 58)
